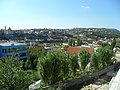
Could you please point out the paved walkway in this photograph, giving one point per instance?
(115, 83)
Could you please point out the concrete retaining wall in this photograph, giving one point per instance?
(78, 83)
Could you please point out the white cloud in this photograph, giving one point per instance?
(85, 7)
(82, 6)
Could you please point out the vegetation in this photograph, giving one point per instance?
(57, 35)
(73, 63)
(84, 58)
(117, 44)
(51, 67)
(57, 67)
(79, 42)
(113, 43)
(12, 76)
(32, 60)
(73, 43)
(70, 42)
(102, 57)
(95, 61)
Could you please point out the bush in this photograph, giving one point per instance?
(12, 77)
(57, 66)
(49, 67)
(84, 58)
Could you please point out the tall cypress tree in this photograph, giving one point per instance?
(113, 43)
(79, 42)
(70, 42)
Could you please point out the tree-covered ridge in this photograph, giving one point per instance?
(60, 35)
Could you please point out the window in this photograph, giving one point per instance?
(9, 50)
(22, 54)
(4, 50)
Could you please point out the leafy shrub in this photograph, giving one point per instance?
(12, 77)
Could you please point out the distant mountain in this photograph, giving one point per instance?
(101, 32)
(115, 30)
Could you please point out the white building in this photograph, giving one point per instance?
(8, 31)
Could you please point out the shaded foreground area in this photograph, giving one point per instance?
(94, 81)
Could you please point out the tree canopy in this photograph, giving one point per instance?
(12, 76)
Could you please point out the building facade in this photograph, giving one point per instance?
(8, 31)
(9, 48)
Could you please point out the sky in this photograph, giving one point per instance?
(29, 14)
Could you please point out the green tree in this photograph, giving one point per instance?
(57, 66)
(73, 58)
(113, 43)
(105, 44)
(65, 65)
(27, 64)
(84, 58)
(104, 56)
(73, 43)
(12, 77)
(70, 42)
(49, 68)
(95, 61)
(79, 42)
(118, 44)
(32, 60)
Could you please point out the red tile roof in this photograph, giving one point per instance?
(72, 49)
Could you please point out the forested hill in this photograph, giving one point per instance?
(101, 32)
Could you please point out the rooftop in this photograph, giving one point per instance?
(9, 43)
(72, 49)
